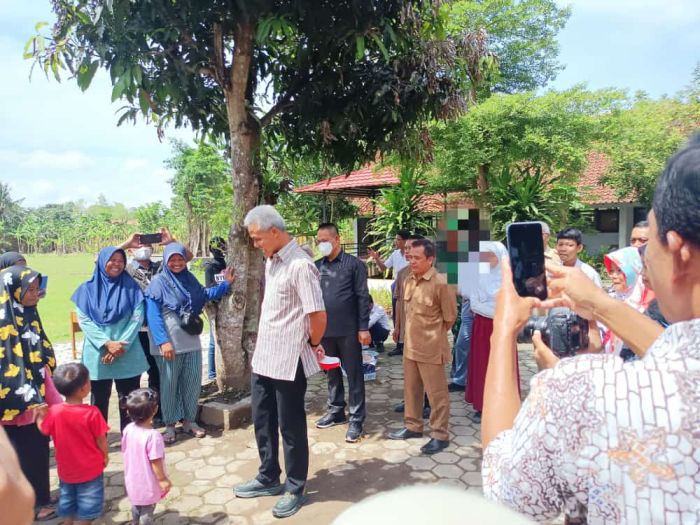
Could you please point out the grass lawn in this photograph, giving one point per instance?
(65, 273)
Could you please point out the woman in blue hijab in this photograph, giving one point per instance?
(174, 303)
(110, 311)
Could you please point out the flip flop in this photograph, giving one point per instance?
(51, 515)
(169, 435)
(194, 430)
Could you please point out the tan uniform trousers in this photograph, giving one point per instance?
(420, 378)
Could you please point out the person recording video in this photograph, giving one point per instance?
(598, 438)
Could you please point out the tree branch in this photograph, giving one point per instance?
(282, 104)
(219, 63)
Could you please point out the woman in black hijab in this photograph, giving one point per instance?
(8, 259)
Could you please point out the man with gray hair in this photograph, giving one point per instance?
(287, 351)
(549, 252)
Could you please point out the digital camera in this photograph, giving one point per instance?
(562, 330)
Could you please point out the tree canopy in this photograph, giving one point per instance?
(640, 139)
(521, 36)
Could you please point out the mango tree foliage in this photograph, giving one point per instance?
(344, 78)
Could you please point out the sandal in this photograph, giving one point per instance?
(169, 435)
(46, 517)
(193, 429)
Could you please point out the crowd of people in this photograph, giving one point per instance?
(608, 436)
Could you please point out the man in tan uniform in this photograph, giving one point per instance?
(430, 309)
(400, 326)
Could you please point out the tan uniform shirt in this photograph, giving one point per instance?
(430, 306)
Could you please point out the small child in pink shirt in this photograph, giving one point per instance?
(144, 457)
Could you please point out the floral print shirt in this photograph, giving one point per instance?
(607, 441)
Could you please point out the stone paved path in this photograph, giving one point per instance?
(204, 471)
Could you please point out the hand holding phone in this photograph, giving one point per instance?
(526, 251)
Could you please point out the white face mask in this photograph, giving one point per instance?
(143, 254)
(325, 248)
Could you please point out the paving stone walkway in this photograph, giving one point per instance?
(203, 471)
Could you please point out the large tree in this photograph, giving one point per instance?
(343, 77)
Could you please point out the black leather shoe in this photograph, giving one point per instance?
(454, 387)
(404, 433)
(396, 351)
(400, 407)
(434, 446)
(354, 432)
(476, 418)
(330, 420)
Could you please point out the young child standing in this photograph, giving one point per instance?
(79, 434)
(144, 457)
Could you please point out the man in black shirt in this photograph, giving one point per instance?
(346, 298)
(213, 267)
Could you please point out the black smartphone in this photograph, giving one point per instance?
(151, 238)
(526, 251)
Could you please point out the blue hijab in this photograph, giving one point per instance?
(106, 300)
(179, 292)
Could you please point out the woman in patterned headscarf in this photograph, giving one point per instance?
(26, 363)
(625, 269)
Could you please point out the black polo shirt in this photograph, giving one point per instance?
(345, 294)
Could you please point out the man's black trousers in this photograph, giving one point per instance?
(349, 350)
(278, 407)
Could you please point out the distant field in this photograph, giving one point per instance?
(65, 273)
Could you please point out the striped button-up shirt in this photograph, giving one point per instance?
(292, 291)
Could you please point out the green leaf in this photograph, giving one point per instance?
(359, 47)
(119, 88)
(39, 25)
(143, 101)
(85, 77)
(381, 46)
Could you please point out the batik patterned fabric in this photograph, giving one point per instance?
(618, 442)
(25, 351)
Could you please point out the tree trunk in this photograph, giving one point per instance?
(236, 316)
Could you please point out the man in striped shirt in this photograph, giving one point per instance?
(292, 323)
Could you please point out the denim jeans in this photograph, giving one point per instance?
(212, 352)
(462, 344)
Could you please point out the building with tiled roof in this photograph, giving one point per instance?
(614, 215)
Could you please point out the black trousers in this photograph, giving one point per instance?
(32, 448)
(278, 407)
(379, 333)
(349, 350)
(153, 373)
(102, 391)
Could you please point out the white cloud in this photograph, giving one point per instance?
(64, 160)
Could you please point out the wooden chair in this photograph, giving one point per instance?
(74, 327)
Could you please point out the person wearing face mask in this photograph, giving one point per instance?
(213, 267)
(346, 298)
(142, 269)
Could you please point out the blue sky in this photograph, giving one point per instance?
(59, 144)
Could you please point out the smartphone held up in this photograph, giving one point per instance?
(526, 252)
(151, 238)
